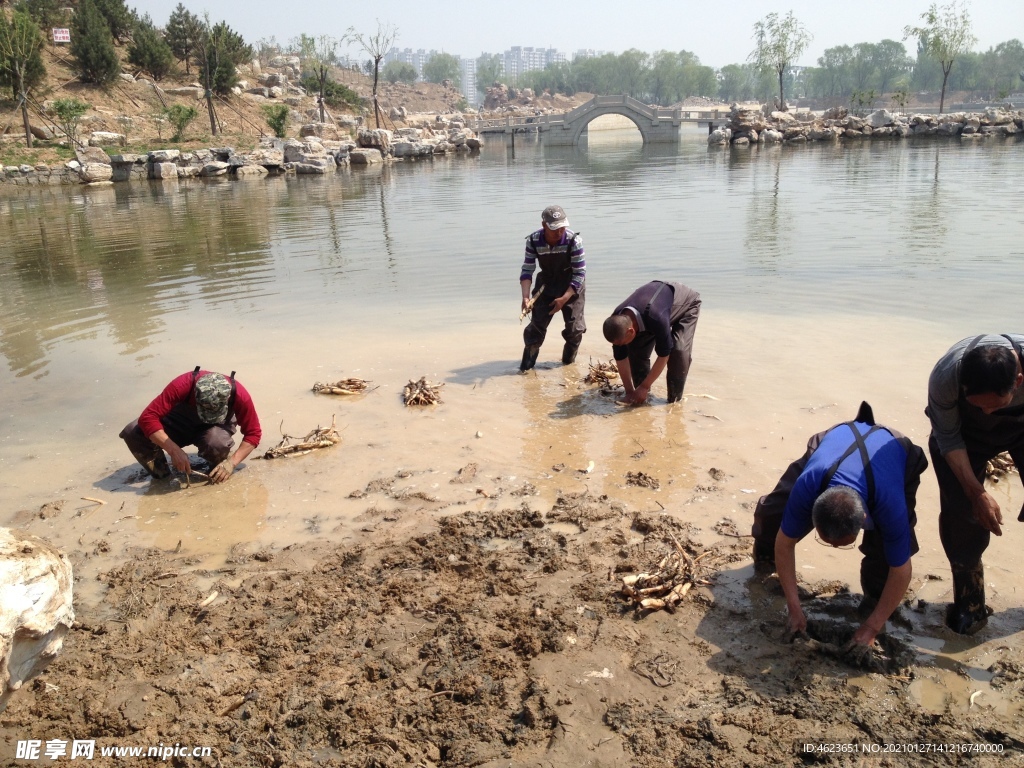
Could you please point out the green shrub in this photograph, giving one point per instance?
(68, 113)
(336, 95)
(277, 118)
(180, 116)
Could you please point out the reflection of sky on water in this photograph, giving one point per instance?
(904, 227)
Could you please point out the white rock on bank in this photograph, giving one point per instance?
(35, 608)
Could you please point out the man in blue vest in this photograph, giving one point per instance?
(855, 476)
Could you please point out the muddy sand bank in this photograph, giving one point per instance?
(492, 638)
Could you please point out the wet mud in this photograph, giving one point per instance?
(492, 638)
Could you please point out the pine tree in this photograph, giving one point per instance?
(92, 46)
(184, 34)
(149, 50)
(120, 20)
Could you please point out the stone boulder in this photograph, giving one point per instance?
(41, 132)
(106, 139)
(995, 116)
(375, 138)
(365, 156)
(35, 608)
(90, 173)
(321, 131)
(215, 168)
(164, 155)
(193, 93)
(250, 171)
(880, 118)
(770, 136)
(835, 113)
(164, 171)
(721, 135)
(783, 118)
(267, 157)
(310, 151)
(91, 155)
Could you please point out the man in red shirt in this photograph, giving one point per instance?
(200, 408)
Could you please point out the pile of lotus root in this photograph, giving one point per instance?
(667, 585)
(343, 387)
(318, 438)
(422, 392)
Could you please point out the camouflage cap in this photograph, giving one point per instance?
(212, 394)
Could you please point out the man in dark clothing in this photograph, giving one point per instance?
(976, 408)
(200, 408)
(659, 317)
(560, 285)
(853, 476)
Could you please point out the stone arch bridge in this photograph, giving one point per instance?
(656, 124)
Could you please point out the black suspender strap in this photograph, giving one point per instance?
(1016, 348)
(649, 303)
(858, 444)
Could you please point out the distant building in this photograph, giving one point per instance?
(588, 53)
(467, 70)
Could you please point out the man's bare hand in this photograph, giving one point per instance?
(222, 471)
(865, 635)
(796, 626)
(987, 513)
(557, 304)
(179, 458)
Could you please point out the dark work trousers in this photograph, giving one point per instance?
(183, 426)
(572, 314)
(963, 539)
(874, 569)
(685, 311)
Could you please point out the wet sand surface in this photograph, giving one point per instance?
(443, 587)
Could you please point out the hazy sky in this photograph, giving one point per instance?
(718, 31)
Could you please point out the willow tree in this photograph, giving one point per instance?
(945, 36)
(780, 41)
(21, 64)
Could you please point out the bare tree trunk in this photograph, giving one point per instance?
(24, 107)
(376, 73)
(945, 77)
(782, 96)
(323, 86)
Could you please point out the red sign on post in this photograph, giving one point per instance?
(61, 35)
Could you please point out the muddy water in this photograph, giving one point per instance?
(828, 275)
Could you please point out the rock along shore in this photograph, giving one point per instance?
(750, 125)
(320, 148)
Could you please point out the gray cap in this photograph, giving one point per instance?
(554, 217)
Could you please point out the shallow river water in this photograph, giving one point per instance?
(829, 274)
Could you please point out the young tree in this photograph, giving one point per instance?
(218, 53)
(318, 55)
(92, 46)
(21, 64)
(184, 31)
(376, 47)
(489, 67)
(277, 118)
(780, 41)
(946, 35)
(441, 67)
(69, 113)
(180, 116)
(399, 72)
(149, 50)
